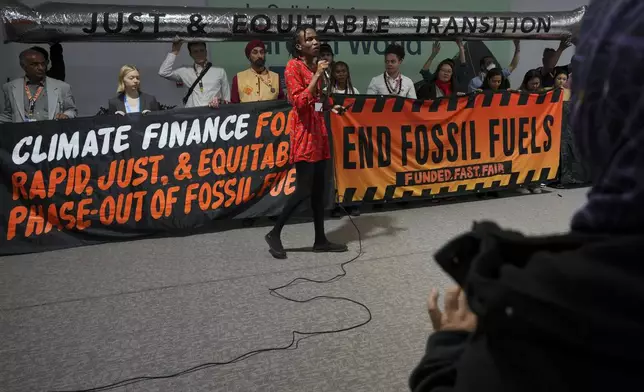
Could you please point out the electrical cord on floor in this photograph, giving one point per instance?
(294, 341)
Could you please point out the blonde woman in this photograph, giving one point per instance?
(130, 99)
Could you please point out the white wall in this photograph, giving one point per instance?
(532, 51)
(92, 68)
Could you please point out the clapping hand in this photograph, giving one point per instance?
(457, 315)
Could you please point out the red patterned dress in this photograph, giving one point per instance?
(309, 138)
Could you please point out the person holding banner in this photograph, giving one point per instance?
(130, 98)
(207, 85)
(458, 74)
(392, 82)
(532, 82)
(442, 82)
(36, 97)
(256, 83)
(495, 81)
(310, 150)
(488, 63)
(561, 81)
(341, 79)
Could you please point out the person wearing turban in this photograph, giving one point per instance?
(256, 83)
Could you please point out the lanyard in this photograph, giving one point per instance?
(197, 73)
(128, 108)
(32, 99)
(397, 81)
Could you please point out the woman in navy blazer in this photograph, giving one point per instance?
(130, 98)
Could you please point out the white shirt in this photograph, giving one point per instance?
(378, 86)
(132, 105)
(215, 81)
(338, 91)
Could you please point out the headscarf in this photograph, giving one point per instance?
(608, 116)
(256, 43)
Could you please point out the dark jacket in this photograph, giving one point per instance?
(427, 90)
(148, 102)
(57, 70)
(559, 313)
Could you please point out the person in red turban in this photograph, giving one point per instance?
(256, 83)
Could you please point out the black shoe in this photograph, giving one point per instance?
(275, 247)
(337, 212)
(329, 247)
(355, 211)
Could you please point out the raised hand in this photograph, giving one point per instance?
(176, 46)
(436, 47)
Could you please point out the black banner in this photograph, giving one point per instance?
(91, 180)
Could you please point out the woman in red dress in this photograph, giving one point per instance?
(310, 149)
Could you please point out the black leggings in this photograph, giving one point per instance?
(310, 179)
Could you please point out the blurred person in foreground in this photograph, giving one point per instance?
(560, 312)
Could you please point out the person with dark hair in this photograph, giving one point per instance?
(550, 60)
(429, 90)
(561, 82)
(341, 79)
(487, 63)
(442, 82)
(495, 80)
(532, 82)
(57, 70)
(560, 312)
(310, 150)
(207, 85)
(326, 54)
(256, 83)
(392, 81)
(36, 97)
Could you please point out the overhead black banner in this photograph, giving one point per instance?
(91, 180)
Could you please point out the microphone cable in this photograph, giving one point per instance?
(297, 336)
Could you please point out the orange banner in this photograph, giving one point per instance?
(394, 148)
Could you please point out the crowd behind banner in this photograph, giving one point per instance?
(206, 84)
(226, 154)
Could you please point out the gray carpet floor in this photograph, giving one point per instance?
(85, 317)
